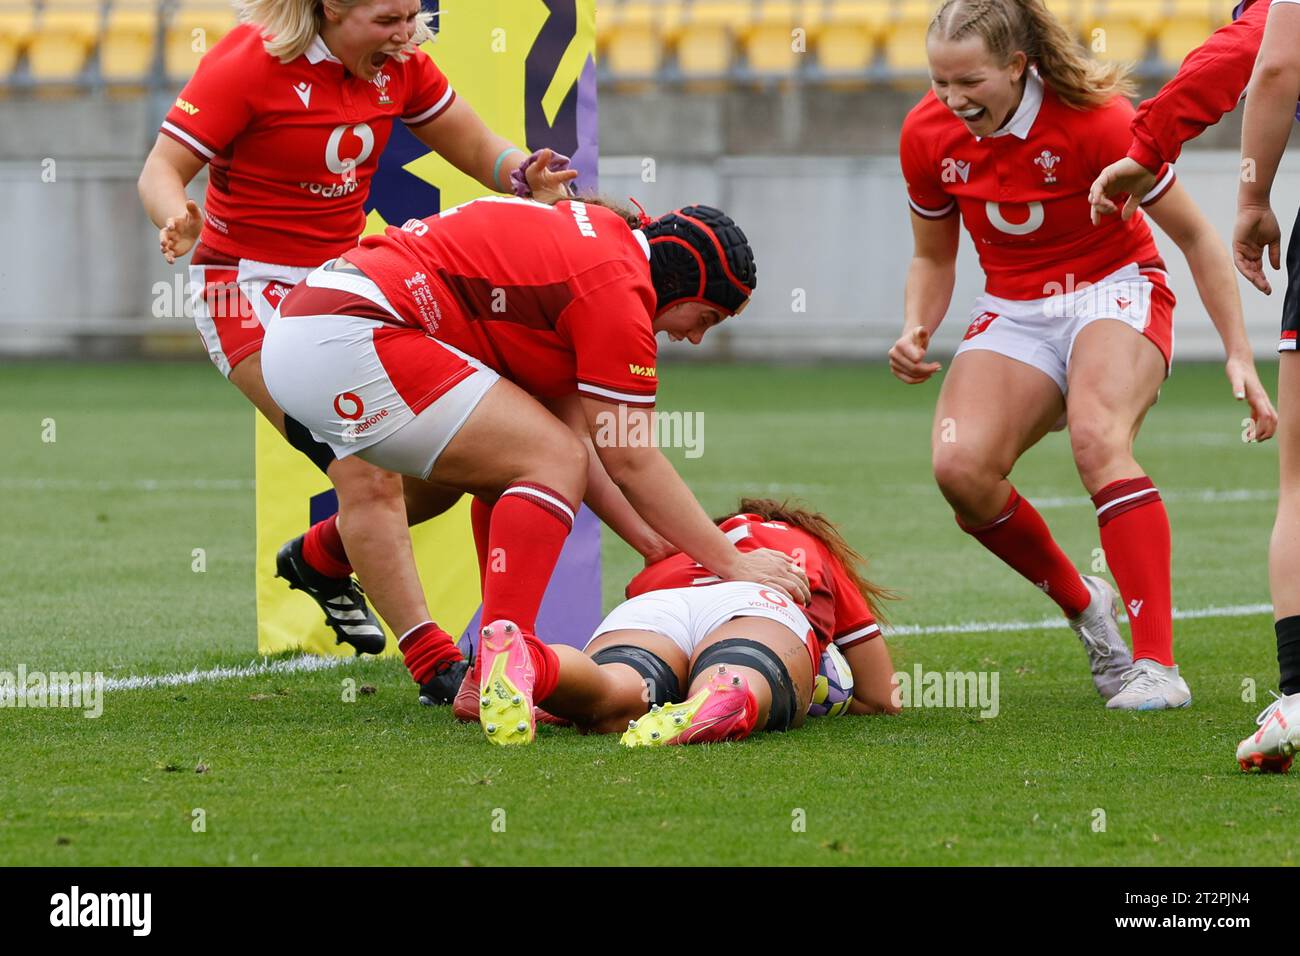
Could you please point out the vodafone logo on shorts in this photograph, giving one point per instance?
(773, 597)
(349, 405)
(982, 322)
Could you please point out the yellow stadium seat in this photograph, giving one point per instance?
(126, 51)
(705, 44)
(846, 42)
(195, 28)
(634, 47)
(1067, 11)
(17, 23)
(1121, 29)
(778, 39)
(66, 31)
(1182, 34)
(905, 38)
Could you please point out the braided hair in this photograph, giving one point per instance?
(1027, 26)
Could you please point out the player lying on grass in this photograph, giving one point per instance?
(421, 352)
(718, 660)
(1075, 325)
(292, 110)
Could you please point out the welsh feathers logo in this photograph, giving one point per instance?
(349, 405)
(381, 83)
(982, 322)
(1048, 162)
(275, 292)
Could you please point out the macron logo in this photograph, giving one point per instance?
(74, 908)
(304, 93)
(1135, 607)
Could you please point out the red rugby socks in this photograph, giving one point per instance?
(1135, 536)
(322, 549)
(480, 521)
(427, 649)
(529, 524)
(1020, 537)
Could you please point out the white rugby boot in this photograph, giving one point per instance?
(1098, 630)
(1149, 685)
(1270, 749)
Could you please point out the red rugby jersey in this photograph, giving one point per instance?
(1023, 192)
(837, 612)
(554, 298)
(292, 147)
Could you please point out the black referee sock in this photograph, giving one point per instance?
(1288, 653)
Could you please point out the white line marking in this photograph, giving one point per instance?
(982, 627)
(1205, 496)
(308, 663)
(138, 484)
(305, 663)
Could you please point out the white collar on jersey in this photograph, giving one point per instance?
(318, 51)
(1030, 103)
(643, 242)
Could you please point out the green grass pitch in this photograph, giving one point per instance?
(152, 461)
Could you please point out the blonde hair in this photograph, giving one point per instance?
(289, 26)
(1008, 26)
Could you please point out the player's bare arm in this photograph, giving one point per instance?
(1183, 222)
(603, 497)
(660, 496)
(1266, 126)
(930, 278)
(874, 686)
(169, 168)
(461, 137)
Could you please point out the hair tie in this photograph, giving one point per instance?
(645, 220)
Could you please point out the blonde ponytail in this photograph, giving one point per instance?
(289, 26)
(1027, 26)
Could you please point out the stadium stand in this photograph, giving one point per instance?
(17, 23)
(633, 36)
(849, 35)
(706, 45)
(1187, 25)
(159, 42)
(905, 36)
(65, 35)
(777, 40)
(195, 26)
(127, 51)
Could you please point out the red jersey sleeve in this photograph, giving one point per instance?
(854, 622)
(609, 327)
(925, 192)
(1110, 138)
(1208, 85)
(215, 105)
(429, 93)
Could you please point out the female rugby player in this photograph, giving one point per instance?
(746, 655)
(291, 111)
(1209, 84)
(1075, 322)
(1270, 107)
(421, 351)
